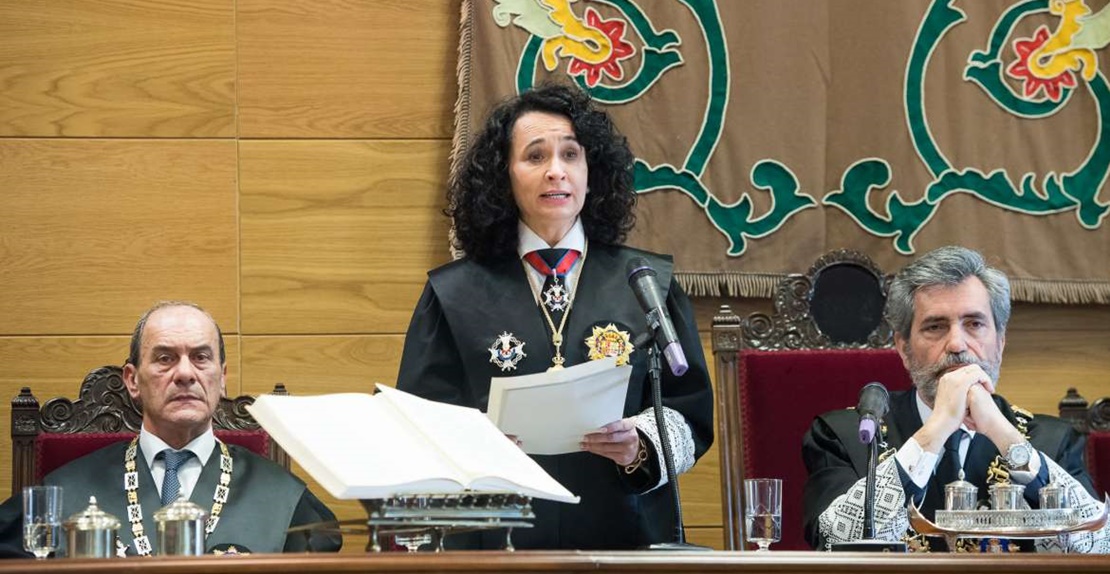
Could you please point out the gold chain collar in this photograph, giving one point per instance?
(135, 508)
(557, 334)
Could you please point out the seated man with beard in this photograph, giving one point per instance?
(949, 312)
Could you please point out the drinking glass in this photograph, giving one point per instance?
(763, 511)
(42, 519)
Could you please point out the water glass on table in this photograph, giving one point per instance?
(763, 511)
(42, 519)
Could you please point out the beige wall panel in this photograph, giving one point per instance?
(117, 68)
(701, 491)
(701, 486)
(92, 232)
(55, 367)
(713, 537)
(1031, 317)
(313, 365)
(343, 68)
(1039, 366)
(338, 235)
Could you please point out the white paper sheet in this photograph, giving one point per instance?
(551, 411)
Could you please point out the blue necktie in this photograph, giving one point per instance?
(950, 464)
(170, 484)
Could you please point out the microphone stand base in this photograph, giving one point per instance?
(870, 546)
(682, 546)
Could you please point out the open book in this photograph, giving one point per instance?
(360, 446)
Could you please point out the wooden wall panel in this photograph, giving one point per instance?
(92, 232)
(347, 68)
(118, 68)
(310, 365)
(701, 486)
(711, 536)
(1052, 347)
(338, 235)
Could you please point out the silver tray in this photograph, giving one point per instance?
(434, 517)
(1014, 523)
(953, 524)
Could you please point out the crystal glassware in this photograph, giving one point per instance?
(763, 511)
(42, 519)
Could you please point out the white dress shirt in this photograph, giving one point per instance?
(189, 472)
(529, 242)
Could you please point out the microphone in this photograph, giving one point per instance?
(641, 278)
(874, 402)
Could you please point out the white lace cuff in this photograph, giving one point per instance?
(681, 439)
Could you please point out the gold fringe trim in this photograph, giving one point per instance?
(1060, 291)
(461, 138)
(763, 285)
(760, 285)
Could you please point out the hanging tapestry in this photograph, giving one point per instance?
(769, 132)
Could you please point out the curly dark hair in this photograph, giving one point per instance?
(480, 196)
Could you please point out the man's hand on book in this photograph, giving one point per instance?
(617, 441)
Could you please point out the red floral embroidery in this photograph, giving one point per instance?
(611, 67)
(1032, 85)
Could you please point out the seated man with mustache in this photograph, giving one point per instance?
(949, 312)
(177, 371)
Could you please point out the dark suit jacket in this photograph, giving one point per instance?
(465, 306)
(836, 460)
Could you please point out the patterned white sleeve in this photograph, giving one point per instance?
(1097, 542)
(842, 521)
(681, 439)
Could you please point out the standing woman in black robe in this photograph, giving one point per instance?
(541, 205)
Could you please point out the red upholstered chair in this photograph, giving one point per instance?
(46, 438)
(1095, 421)
(825, 341)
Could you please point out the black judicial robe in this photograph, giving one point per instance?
(263, 501)
(836, 459)
(466, 305)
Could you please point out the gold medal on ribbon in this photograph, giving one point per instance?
(609, 341)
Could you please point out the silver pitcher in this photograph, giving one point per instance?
(1005, 496)
(180, 527)
(960, 495)
(91, 533)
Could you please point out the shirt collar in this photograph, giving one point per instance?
(151, 445)
(529, 241)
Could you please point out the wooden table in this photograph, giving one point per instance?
(548, 562)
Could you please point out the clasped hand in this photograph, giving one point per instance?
(963, 397)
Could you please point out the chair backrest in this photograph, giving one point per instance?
(837, 304)
(776, 372)
(46, 438)
(1094, 420)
